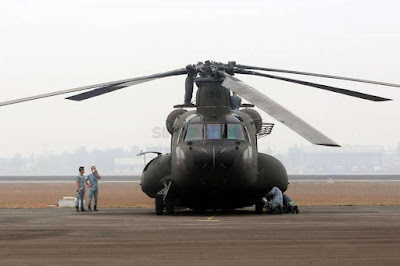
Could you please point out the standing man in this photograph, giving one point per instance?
(80, 190)
(189, 82)
(93, 188)
(236, 101)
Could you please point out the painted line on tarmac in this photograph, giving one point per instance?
(197, 224)
(341, 180)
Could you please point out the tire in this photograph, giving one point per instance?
(159, 205)
(170, 207)
(259, 206)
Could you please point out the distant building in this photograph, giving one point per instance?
(344, 160)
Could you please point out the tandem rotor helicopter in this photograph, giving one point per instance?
(214, 162)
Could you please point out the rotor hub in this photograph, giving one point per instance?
(211, 69)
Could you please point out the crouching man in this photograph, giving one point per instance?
(289, 205)
(92, 183)
(274, 204)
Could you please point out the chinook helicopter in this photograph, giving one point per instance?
(214, 161)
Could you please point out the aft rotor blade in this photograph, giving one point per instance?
(319, 86)
(319, 75)
(119, 84)
(277, 111)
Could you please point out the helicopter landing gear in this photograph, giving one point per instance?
(163, 199)
(159, 204)
(170, 206)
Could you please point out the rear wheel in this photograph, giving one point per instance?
(159, 205)
(170, 206)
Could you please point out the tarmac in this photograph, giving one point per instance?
(345, 235)
(136, 179)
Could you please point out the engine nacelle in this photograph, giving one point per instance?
(271, 173)
(154, 171)
(257, 119)
(171, 119)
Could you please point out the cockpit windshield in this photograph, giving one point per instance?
(194, 132)
(202, 131)
(214, 131)
(235, 131)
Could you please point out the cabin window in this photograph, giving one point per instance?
(214, 131)
(235, 131)
(194, 132)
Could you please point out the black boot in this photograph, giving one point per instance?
(83, 209)
(89, 209)
(77, 209)
(95, 208)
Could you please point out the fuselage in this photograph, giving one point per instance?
(214, 161)
(214, 157)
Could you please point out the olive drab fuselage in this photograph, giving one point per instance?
(214, 161)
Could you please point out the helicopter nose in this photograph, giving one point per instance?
(214, 157)
(226, 157)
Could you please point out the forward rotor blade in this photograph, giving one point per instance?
(121, 85)
(107, 86)
(277, 111)
(319, 75)
(319, 86)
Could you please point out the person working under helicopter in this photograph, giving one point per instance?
(289, 205)
(274, 204)
(236, 101)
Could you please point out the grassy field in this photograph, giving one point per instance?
(118, 195)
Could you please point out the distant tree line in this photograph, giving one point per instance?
(297, 161)
(65, 163)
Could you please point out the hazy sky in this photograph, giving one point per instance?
(53, 45)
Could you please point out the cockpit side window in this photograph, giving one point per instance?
(246, 134)
(180, 135)
(194, 132)
(214, 131)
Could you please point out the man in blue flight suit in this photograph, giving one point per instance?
(236, 101)
(92, 183)
(289, 205)
(80, 190)
(274, 205)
